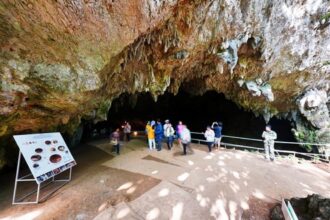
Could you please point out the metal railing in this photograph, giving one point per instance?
(260, 140)
(314, 156)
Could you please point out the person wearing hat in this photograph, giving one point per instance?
(269, 137)
(167, 122)
(209, 136)
(169, 135)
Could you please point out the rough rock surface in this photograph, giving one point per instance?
(312, 207)
(66, 60)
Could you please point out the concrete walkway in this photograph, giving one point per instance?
(202, 185)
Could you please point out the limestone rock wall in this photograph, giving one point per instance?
(66, 60)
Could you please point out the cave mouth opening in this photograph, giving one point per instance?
(196, 111)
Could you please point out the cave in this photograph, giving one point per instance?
(196, 111)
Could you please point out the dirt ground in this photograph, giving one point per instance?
(93, 188)
(225, 184)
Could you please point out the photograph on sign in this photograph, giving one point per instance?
(46, 154)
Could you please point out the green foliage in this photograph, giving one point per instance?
(308, 136)
(325, 16)
(326, 63)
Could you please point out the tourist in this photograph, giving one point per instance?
(167, 122)
(185, 137)
(151, 136)
(269, 137)
(209, 135)
(148, 124)
(127, 131)
(146, 131)
(159, 135)
(179, 129)
(169, 135)
(217, 128)
(115, 137)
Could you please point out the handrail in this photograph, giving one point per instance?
(260, 140)
(311, 155)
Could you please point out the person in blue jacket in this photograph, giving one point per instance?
(217, 128)
(159, 135)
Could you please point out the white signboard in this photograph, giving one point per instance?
(46, 154)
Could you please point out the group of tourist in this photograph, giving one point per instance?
(213, 135)
(158, 133)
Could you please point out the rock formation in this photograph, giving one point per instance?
(62, 61)
(312, 207)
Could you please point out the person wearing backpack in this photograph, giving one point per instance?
(169, 135)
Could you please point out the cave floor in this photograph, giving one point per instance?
(143, 184)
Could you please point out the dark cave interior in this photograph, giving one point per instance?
(196, 111)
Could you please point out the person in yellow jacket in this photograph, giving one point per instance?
(151, 136)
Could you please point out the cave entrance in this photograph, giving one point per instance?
(197, 111)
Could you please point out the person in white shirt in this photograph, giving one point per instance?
(169, 135)
(185, 138)
(210, 137)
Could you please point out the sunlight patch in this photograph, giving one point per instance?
(232, 209)
(244, 205)
(131, 190)
(221, 163)
(125, 186)
(236, 174)
(153, 214)
(183, 177)
(258, 194)
(163, 192)
(154, 172)
(123, 213)
(177, 211)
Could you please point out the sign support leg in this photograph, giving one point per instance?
(17, 174)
